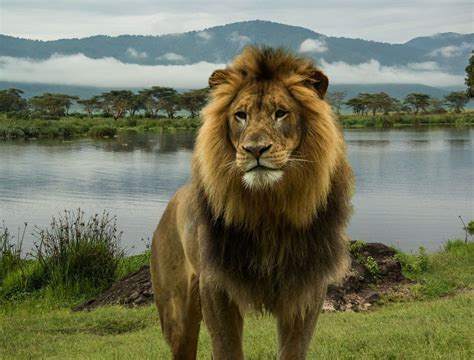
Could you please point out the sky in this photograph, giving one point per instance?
(387, 21)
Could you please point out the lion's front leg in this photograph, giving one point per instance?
(223, 321)
(294, 335)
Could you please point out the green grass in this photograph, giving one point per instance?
(442, 273)
(81, 125)
(70, 127)
(434, 329)
(460, 120)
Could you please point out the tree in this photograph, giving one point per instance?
(51, 104)
(11, 100)
(90, 105)
(469, 80)
(336, 99)
(417, 102)
(456, 101)
(136, 104)
(194, 100)
(151, 98)
(170, 104)
(436, 106)
(67, 101)
(116, 102)
(357, 104)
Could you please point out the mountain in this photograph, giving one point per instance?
(220, 44)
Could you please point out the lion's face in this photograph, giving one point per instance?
(265, 129)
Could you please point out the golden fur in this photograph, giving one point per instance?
(262, 223)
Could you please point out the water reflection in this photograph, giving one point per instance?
(411, 185)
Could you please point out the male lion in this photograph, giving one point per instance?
(261, 226)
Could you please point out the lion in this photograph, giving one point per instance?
(261, 226)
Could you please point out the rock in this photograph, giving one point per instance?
(358, 291)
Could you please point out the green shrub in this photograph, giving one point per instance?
(414, 263)
(80, 256)
(10, 251)
(30, 276)
(102, 131)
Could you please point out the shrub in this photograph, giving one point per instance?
(29, 277)
(10, 251)
(80, 256)
(102, 131)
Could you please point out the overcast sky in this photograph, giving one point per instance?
(388, 21)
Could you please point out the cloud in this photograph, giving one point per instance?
(81, 70)
(242, 40)
(136, 54)
(452, 50)
(171, 56)
(372, 72)
(313, 46)
(204, 35)
(395, 21)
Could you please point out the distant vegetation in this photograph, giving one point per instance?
(161, 108)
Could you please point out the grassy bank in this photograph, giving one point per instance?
(434, 329)
(433, 319)
(69, 127)
(464, 119)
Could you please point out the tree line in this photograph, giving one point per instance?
(366, 103)
(114, 103)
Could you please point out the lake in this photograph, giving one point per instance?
(411, 184)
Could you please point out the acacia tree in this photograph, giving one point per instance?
(456, 101)
(336, 99)
(90, 105)
(194, 100)
(357, 104)
(469, 80)
(151, 99)
(417, 102)
(11, 100)
(170, 104)
(51, 104)
(116, 102)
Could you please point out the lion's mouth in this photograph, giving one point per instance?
(260, 167)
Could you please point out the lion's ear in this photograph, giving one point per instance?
(218, 77)
(319, 82)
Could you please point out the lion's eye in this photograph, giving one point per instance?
(280, 114)
(241, 115)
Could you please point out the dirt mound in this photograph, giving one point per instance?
(375, 271)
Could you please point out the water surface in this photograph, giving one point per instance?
(411, 185)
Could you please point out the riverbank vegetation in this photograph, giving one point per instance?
(77, 256)
(159, 109)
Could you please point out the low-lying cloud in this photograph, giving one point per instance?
(372, 72)
(452, 50)
(106, 72)
(81, 70)
(313, 46)
(136, 54)
(171, 56)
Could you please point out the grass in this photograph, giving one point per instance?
(442, 273)
(74, 126)
(434, 329)
(460, 120)
(434, 321)
(80, 125)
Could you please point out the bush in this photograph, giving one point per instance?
(102, 131)
(30, 276)
(10, 251)
(80, 256)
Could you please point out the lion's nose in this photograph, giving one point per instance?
(257, 150)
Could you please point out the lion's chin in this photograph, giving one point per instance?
(261, 178)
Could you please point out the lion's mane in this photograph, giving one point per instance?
(267, 242)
